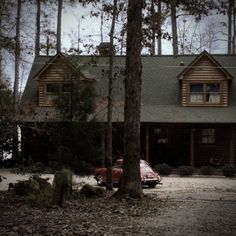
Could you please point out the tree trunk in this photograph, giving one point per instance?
(130, 182)
(1, 13)
(153, 29)
(234, 27)
(159, 28)
(37, 35)
(17, 57)
(16, 82)
(59, 15)
(110, 100)
(174, 27)
(230, 27)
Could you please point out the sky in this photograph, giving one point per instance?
(89, 31)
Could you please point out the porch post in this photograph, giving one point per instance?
(103, 147)
(231, 146)
(147, 143)
(192, 131)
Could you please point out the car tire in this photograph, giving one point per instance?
(152, 185)
(99, 179)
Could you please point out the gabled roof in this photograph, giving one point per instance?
(198, 58)
(63, 56)
(161, 101)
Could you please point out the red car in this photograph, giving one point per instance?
(148, 176)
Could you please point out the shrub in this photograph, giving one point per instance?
(62, 186)
(33, 168)
(26, 187)
(206, 170)
(37, 190)
(37, 167)
(229, 171)
(163, 169)
(185, 170)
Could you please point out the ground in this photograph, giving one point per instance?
(180, 206)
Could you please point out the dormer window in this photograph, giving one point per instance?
(54, 90)
(204, 83)
(204, 93)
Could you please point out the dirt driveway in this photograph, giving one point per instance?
(180, 206)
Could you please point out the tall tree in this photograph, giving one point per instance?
(130, 183)
(1, 12)
(231, 23)
(159, 44)
(37, 35)
(17, 56)
(110, 99)
(17, 79)
(59, 18)
(173, 5)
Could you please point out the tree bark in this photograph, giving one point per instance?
(59, 16)
(230, 27)
(16, 81)
(1, 12)
(174, 27)
(131, 182)
(110, 100)
(37, 35)
(159, 28)
(234, 27)
(17, 57)
(153, 29)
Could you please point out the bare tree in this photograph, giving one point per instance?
(17, 56)
(37, 35)
(59, 15)
(174, 27)
(110, 100)
(159, 23)
(131, 183)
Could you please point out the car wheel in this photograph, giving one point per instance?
(99, 180)
(152, 185)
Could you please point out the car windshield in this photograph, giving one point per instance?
(145, 166)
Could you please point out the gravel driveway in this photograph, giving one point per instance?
(201, 206)
(196, 206)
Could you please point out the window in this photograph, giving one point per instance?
(53, 90)
(204, 93)
(196, 93)
(161, 135)
(208, 136)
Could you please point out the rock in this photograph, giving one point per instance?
(90, 191)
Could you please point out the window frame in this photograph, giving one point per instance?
(57, 94)
(205, 101)
(208, 136)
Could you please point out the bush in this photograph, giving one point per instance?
(37, 167)
(206, 170)
(163, 169)
(62, 186)
(229, 171)
(33, 168)
(37, 190)
(185, 170)
(26, 187)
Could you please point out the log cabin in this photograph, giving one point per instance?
(188, 109)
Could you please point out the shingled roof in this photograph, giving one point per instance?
(160, 89)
